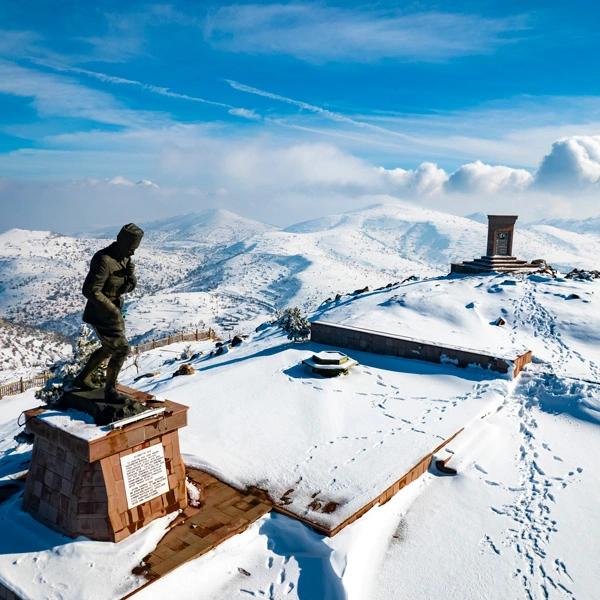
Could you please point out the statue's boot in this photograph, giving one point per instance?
(83, 381)
(111, 395)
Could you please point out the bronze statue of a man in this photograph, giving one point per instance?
(111, 275)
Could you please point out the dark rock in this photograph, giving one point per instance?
(236, 341)
(143, 375)
(185, 369)
(499, 322)
(338, 297)
(411, 278)
(361, 291)
(583, 275)
(573, 297)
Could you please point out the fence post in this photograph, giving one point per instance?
(22, 385)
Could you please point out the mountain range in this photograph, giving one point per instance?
(216, 268)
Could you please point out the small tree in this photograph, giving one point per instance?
(187, 352)
(294, 324)
(65, 371)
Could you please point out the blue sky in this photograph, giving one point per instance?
(278, 110)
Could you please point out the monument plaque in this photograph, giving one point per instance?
(502, 243)
(144, 475)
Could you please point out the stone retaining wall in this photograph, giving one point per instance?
(379, 342)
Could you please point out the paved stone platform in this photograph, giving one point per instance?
(223, 513)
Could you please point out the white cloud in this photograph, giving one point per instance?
(147, 183)
(245, 113)
(320, 33)
(478, 177)
(56, 95)
(299, 166)
(120, 180)
(572, 162)
(427, 179)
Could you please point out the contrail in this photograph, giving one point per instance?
(163, 91)
(317, 110)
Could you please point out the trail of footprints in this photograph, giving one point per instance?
(279, 586)
(531, 511)
(377, 438)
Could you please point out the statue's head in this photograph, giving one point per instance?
(129, 238)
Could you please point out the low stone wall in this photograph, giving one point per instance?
(378, 342)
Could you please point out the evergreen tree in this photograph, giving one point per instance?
(65, 371)
(294, 324)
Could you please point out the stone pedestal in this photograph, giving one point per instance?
(89, 480)
(499, 250)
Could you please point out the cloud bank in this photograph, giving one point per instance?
(283, 183)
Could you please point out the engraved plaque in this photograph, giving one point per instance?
(144, 475)
(502, 243)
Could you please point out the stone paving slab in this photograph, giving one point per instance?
(223, 513)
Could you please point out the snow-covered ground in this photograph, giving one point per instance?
(519, 521)
(25, 351)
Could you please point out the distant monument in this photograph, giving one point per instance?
(499, 250)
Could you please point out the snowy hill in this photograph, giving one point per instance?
(210, 229)
(306, 263)
(591, 225)
(218, 269)
(199, 232)
(521, 513)
(41, 274)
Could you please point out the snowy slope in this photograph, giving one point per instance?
(306, 263)
(591, 225)
(25, 351)
(41, 274)
(518, 522)
(200, 232)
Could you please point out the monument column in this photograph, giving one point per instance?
(500, 234)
